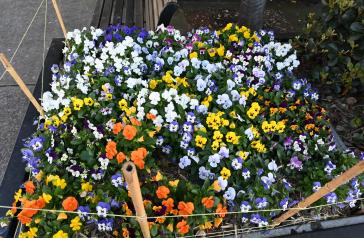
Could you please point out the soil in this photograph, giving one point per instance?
(284, 17)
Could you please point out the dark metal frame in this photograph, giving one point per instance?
(15, 174)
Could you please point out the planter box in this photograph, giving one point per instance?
(15, 175)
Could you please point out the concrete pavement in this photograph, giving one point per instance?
(15, 15)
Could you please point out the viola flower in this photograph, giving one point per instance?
(237, 163)
(117, 180)
(83, 212)
(102, 208)
(261, 202)
(329, 167)
(36, 144)
(331, 198)
(245, 173)
(105, 224)
(214, 160)
(284, 204)
(166, 149)
(230, 194)
(173, 126)
(295, 163)
(245, 206)
(184, 162)
(244, 218)
(268, 180)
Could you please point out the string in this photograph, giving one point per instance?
(23, 37)
(44, 44)
(184, 216)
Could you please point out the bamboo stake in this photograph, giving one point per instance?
(131, 177)
(59, 17)
(9, 68)
(329, 187)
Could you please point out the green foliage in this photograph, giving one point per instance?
(332, 46)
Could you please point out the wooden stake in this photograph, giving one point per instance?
(9, 68)
(329, 187)
(59, 17)
(131, 177)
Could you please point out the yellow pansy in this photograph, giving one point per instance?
(200, 141)
(108, 96)
(77, 104)
(64, 118)
(88, 101)
(46, 197)
(18, 195)
(231, 137)
(153, 84)
(158, 176)
(212, 52)
(67, 111)
(61, 183)
(55, 120)
(243, 154)
(227, 27)
(168, 77)
(170, 227)
(76, 224)
(225, 173)
(174, 183)
(87, 187)
(218, 136)
(193, 55)
(215, 145)
(123, 104)
(221, 50)
(39, 176)
(60, 234)
(233, 38)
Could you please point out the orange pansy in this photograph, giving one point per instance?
(169, 204)
(221, 210)
(183, 227)
(111, 149)
(162, 192)
(120, 157)
(208, 202)
(185, 208)
(129, 132)
(117, 128)
(70, 204)
(29, 187)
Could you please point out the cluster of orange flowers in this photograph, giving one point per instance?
(30, 208)
(186, 208)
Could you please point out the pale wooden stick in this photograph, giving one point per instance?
(131, 177)
(59, 17)
(329, 187)
(9, 68)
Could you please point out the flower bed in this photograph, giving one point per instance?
(215, 122)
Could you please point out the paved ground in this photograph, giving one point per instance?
(15, 15)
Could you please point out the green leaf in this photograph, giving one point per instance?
(154, 230)
(87, 156)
